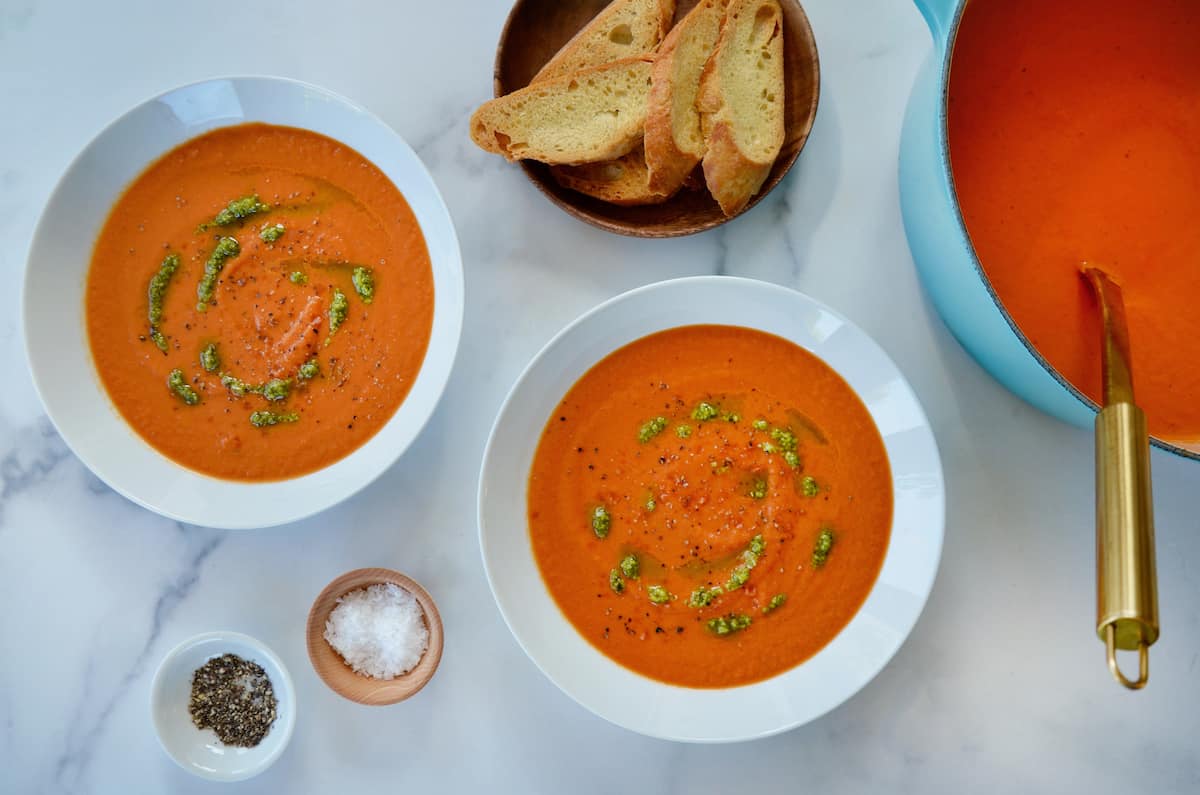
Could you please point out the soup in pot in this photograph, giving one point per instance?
(1074, 131)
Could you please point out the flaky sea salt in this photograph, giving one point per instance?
(379, 630)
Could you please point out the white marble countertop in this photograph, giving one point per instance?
(1002, 686)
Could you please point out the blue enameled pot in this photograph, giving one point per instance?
(946, 261)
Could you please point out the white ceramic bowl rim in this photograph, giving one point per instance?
(796, 696)
(199, 752)
(53, 320)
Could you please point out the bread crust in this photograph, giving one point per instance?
(669, 165)
(623, 181)
(732, 178)
(568, 58)
(732, 175)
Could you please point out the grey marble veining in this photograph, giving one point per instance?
(1001, 687)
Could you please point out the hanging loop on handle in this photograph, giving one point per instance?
(1110, 640)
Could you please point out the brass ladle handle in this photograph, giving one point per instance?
(1126, 581)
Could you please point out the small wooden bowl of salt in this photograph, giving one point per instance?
(374, 636)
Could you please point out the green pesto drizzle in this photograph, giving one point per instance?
(182, 389)
(738, 577)
(785, 438)
(237, 210)
(237, 387)
(298, 277)
(705, 412)
(273, 390)
(339, 307)
(658, 594)
(157, 292)
(616, 581)
(740, 574)
(809, 487)
(270, 234)
(651, 428)
(630, 567)
(683, 431)
(704, 596)
(265, 419)
(727, 625)
(364, 283)
(309, 370)
(226, 248)
(601, 521)
(758, 489)
(210, 360)
(822, 547)
(785, 442)
(277, 389)
(776, 602)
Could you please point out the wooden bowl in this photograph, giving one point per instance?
(537, 29)
(340, 677)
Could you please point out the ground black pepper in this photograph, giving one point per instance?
(234, 698)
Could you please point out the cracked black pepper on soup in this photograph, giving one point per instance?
(234, 698)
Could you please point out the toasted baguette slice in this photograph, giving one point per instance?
(623, 181)
(595, 114)
(626, 28)
(674, 140)
(741, 102)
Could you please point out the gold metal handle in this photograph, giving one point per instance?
(1126, 592)
(1126, 580)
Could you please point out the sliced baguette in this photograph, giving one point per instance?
(674, 139)
(594, 114)
(625, 29)
(623, 181)
(741, 102)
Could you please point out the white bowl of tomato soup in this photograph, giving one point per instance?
(711, 509)
(243, 301)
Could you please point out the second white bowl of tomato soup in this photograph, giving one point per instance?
(711, 509)
(267, 289)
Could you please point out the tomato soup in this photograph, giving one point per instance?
(1075, 135)
(259, 302)
(710, 505)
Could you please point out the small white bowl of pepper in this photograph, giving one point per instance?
(223, 706)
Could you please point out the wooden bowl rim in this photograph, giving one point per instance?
(629, 229)
(344, 680)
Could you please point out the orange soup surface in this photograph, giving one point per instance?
(259, 302)
(710, 505)
(1075, 135)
